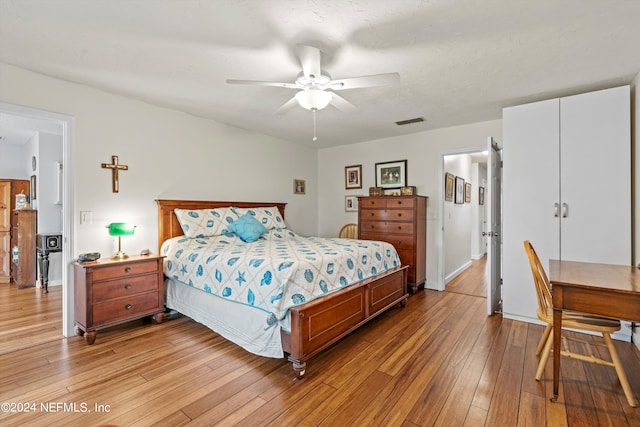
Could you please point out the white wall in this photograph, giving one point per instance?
(423, 152)
(12, 164)
(478, 213)
(170, 155)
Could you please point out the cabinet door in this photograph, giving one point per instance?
(595, 173)
(530, 188)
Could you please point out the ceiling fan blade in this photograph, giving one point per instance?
(261, 83)
(287, 106)
(310, 60)
(342, 104)
(365, 81)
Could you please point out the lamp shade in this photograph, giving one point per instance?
(121, 229)
(313, 99)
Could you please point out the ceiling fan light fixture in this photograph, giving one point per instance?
(313, 99)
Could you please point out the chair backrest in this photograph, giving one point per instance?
(540, 280)
(349, 231)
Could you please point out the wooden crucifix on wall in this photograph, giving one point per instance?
(115, 168)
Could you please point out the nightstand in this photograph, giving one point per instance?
(108, 292)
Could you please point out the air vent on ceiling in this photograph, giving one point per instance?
(409, 121)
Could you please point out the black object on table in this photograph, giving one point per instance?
(47, 243)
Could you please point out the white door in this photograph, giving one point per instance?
(494, 234)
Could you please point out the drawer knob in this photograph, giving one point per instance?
(127, 269)
(399, 227)
(399, 241)
(128, 306)
(373, 214)
(400, 214)
(127, 286)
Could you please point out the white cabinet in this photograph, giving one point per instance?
(566, 187)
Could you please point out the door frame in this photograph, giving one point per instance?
(68, 206)
(440, 248)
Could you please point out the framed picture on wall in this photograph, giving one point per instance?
(448, 187)
(351, 203)
(391, 174)
(32, 187)
(459, 190)
(467, 192)
(481, 195)
(353, 177)
(299, 186)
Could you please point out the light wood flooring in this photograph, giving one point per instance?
(438, 361)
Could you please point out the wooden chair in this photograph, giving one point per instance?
(349, 231)
(572, 320)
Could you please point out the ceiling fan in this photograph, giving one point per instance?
(316, 87)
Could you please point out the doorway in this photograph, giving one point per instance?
(462, 218)
(40, 120)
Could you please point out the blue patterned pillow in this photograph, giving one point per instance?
(247, 228)
(205, 222)
(269, 216)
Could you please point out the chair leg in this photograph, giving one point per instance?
(543, 339)
(617, 363)
(545, 355)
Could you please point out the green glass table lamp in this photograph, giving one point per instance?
(120, 229)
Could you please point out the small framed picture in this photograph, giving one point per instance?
(391, 174)
(459, 190)
(353, 177)
(448, 187)
(351, 203)
(32, 187)
(481, 195)
(299, 186)
(467, 192)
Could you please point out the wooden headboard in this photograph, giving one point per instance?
(168, 225)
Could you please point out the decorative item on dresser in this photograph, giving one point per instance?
(401, 221)
(108, 292)
(9, 189)
(23, 254)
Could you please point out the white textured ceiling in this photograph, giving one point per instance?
(460, 61)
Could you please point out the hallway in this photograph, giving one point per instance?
(472, 281)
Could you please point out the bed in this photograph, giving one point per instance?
(309, 320)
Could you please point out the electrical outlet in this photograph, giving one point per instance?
(86, 217)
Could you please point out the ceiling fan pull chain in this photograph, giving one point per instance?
(313, 110)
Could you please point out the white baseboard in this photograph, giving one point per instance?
(460, 269)
(478, 256)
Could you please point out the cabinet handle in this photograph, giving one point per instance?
(127, 286)
(565, 210)
(128, 306)
(556, 206)
(127, 269)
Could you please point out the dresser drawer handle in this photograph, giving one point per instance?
(127, 269)
(399, 227)
(128, 306)
(127, 286)
(373, 214)
(400, 214)
(399, 242)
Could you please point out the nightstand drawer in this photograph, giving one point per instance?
(125, 269)
(124, 287)
(123, 308)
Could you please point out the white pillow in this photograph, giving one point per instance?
(205, 222)
(269, 217)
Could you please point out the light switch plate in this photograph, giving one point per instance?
(86, 217)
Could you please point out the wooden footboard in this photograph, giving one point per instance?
(321, 322)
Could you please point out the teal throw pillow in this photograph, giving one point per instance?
(247, 228)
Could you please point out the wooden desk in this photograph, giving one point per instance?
(603, 289)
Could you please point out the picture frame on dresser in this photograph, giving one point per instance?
(353, 177)
(390, 175)
(459, 198)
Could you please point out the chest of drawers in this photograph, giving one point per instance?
(108, 292)
(401, 221)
